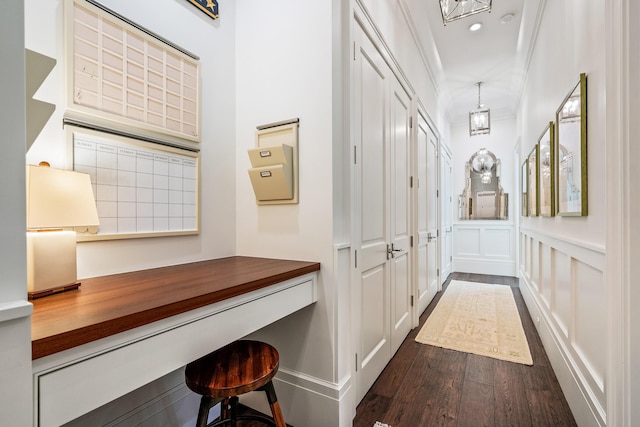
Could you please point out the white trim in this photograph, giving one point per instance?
(581, 399)
(365, 20)
(310, 400)
(586, 252)
(621, 50)
(15, 310)
(484, 266)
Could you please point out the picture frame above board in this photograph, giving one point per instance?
(546, 172)
(524, 208)
(571, 152)
(532, 182)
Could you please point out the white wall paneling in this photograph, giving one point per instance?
(15, 325)
(566, 296)
(484, 247)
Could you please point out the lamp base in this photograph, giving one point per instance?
(51, 262)
(45, 292)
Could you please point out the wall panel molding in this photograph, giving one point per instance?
(564, 289)
(484, 248)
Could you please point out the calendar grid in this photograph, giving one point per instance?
(138, 188)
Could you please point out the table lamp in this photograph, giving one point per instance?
(57, 201)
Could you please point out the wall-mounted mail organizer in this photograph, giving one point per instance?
(274, 161)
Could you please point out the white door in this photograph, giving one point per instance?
(381, 213)
(446, 216)
(400, 204)
(432, 212)
(427, 203)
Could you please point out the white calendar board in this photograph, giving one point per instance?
(142, 189)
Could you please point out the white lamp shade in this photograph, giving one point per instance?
(59, 198)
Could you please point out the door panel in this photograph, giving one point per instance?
(373, 297)
(400, 214)
(432, 213)
(446, 218)
(426, 213)
(382, 213)
(372, 288)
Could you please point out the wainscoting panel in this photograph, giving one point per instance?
(546, 271)
(468, 241)
(535, 264)
(562, 292)
(498, 242)
(562, 283)
(590, 325)
(485, 248)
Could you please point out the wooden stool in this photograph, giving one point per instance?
(238, 368)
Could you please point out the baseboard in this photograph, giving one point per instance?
(308, 401)
(305, 401)
(586, 410)
(484, 266)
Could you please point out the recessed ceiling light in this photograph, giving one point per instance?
(507, 17)
(475, 27)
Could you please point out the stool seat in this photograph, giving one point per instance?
(235, 369)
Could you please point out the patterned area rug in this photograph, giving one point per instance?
(478, 318)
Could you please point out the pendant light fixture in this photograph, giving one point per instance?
(457, 9)
(480, 118)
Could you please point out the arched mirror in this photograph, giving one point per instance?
(483, 196)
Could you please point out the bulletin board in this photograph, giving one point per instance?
(122, 76)
(142, 189)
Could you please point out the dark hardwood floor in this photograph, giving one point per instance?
(429, 386)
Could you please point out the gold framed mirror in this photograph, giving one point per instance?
(532, 182)
(571, 151)
(546, 172)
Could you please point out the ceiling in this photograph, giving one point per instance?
(496, 55)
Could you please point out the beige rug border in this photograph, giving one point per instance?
(512, 345)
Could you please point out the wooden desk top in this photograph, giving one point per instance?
(107, 305)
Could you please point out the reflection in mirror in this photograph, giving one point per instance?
(524, 208)
(571, 152)
(545, 172)
(532, 179)
(483, 196)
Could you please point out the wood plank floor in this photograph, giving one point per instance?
(429, 386)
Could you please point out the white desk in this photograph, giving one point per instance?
(72, 382)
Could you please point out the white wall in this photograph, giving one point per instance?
(562, 259)
(213, 42)
(285, 65)
(281, 76)
(283, 72)
(15, 350)
(483, 246)
(500, 142)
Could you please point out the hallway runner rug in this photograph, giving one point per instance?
(478, 318)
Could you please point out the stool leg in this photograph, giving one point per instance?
(274, 405)
(234, 410)
(203, 412)
(224, 409)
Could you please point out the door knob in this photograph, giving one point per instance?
(391, 251)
